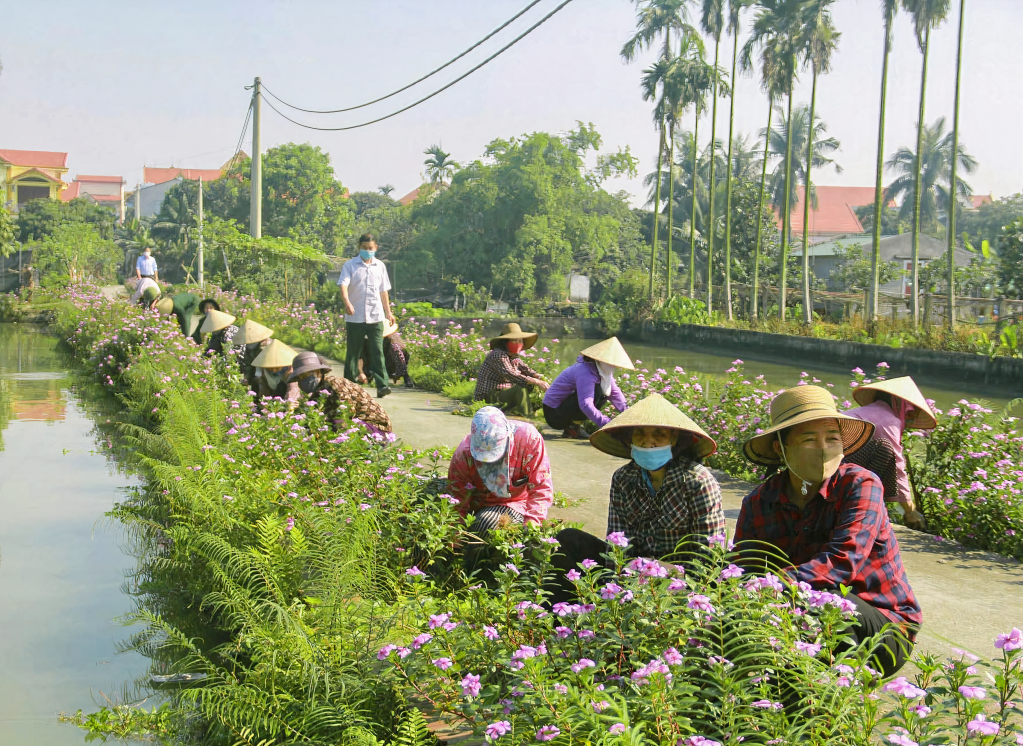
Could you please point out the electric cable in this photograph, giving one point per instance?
(245, 127)
(514, 41)
(450, 62)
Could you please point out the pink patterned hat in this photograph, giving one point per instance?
(488, 435)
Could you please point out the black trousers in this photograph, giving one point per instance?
(477, 554)
(569, 413)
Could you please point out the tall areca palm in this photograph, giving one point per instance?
(439, 165)
(953, 180)
(821, 40)
(656, 19)
(797, 133)
(712, 21)
(386, 189)
(927, 14)
(776, 31)
(889, 8)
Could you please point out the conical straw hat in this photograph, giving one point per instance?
(275, 355)
(610, 351)
(653, 411)
(389, 328)
(921, 418)
(215, 321)
(804, 404)
(252, 331)
(165, 306)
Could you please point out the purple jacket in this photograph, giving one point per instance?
(581, 380)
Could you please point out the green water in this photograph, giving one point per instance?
(61, 566)
(777, 376)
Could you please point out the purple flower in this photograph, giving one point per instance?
(766, 704)
(588, 564)
(548, 733)
(618, 539)
(700, 741)
(511, 568)
(418, 642)
(491, 633)
(609, 591)
(498, 729)
(700, 603)
(616, 729)
(385, 651)
(471, 685)
(904, 688)
(973, 692)
(573, 575)
(981, 725)
(581, 664)
(811, 649)
(437, 620)
(443, 663)
(563, 632)
(732, 571)
(1011, 641)
(901, 739)
(415, 572)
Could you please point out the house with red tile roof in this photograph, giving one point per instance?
(427, 188)
(976, 200)
(834, 215)
(30, 174)
(103, 190)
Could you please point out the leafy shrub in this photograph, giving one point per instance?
(461, 391)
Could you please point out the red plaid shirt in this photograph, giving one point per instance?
(500, 370)
(842, 536)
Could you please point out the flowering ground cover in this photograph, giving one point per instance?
(314, 577)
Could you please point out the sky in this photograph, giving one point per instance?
(119, 86)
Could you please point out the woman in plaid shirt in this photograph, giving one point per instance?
(504, 379)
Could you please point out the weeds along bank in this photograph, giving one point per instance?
(313, 577)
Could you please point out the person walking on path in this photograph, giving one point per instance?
(364, 287)
(894, 406)
(500, 475)
(272, 368)
(580, 391)
(664, 502)
(829, 520)
(145, 266)
(253, 337)
(504, 379)
(396, 358)
(340, 398)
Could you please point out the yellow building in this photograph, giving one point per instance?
(30, 174)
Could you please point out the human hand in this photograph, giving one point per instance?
(349, 308)
(915, 520)
(543, 386)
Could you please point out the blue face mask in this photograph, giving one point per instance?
(651, 459)
(367, 255)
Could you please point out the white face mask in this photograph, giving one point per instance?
(812, 464)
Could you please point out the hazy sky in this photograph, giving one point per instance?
(122, 85)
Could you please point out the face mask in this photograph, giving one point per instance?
(651, 459)
(811, 464)
(366, 254)
(514, 348)
(147, 253)
(309, 384)
(273, 377)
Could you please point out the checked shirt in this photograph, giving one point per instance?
(842, 536)
(354, 400)
(688, 503)
(500, 370)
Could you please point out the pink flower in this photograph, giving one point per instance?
(981, 725)
(443, 663)
(616, 729)
(1010, 641)
(700, 603)
(548, 733)
(732, 571)
(900, 739)
(415, 572)
(973, 692)
(904, 688)
(618, 539)
(573, 575)
(498, 729)
(385, 651)
(581, 664)
(418, 642)
(471, 685)
(491, 633)
(438, 620)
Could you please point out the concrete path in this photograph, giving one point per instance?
(968, 597)
(113, 292)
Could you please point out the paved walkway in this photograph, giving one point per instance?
(968, 597)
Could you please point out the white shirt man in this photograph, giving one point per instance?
(145, 265)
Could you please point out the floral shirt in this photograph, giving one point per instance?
(531, 487)
(841, 537)
(500, 370)
(222, 341)
(347, 400)
(687, 504)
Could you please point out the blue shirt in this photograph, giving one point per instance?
(146, 265)
(365, 283)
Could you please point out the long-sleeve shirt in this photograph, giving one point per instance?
(356, 401)
(842, 536)
(888, 426)
(144, 284)
(500, 370)
(687, 504)
(581, 380)
(290, 392)
(365, 282)
(530, 485)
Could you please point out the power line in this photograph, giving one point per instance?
(450, 62)
(245, 127)
(510, 44)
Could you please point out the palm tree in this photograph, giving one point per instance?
(745, 160)
(934, 171)
(889, 8)
(821, 42)
(927, 14)
(438, 165)
(177, 219)
(386, 189)
(656, 18)
(953, 180)
(823, 147)
(776, 31)
(712, 21)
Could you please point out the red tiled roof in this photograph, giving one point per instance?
(412, 196)
(106, 197)
(160, 175)
(105, 179)
(834, 214)
(74, 190)
(39, 158)
(980, 199)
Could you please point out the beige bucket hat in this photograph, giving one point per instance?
(921, 418)
(514, 332)
(215, 321)
(610, 351)
(804, 404)
(653, 411)
(165, 306)
(275, 355)
(251, 332)
(389, 328)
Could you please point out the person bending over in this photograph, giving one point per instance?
(314, 378)
(580, 391)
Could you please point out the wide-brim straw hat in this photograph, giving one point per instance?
(251, 332)
(611, 352)
(305, 362)
(165, 306)
(275, 355)
(513, 332)
(389, 328)
(653, 411)
(921, 418)
(215, 321)
(804, 404)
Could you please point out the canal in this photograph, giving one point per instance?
(61, 563)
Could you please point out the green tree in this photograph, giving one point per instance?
(439, 166)
(41, 217)
(927, 14)
(953, 180)
(386, 189)
(823, 147)
(75, 251)
(366, 201)
(891, 224)
(1010, 266)
(855, 269)
(986, 222)
(8, 233)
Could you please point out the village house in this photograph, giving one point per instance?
(26, 175)
(103, 190)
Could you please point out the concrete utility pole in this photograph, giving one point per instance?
(202, 282)
(138, 199)
(256, 216)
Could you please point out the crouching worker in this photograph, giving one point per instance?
(663, 497)
(500, 475)
(580, 391)
(220, 326)
(253, 338)
(314, 378)
(504, 379)
(272, 367)
(829, 519)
